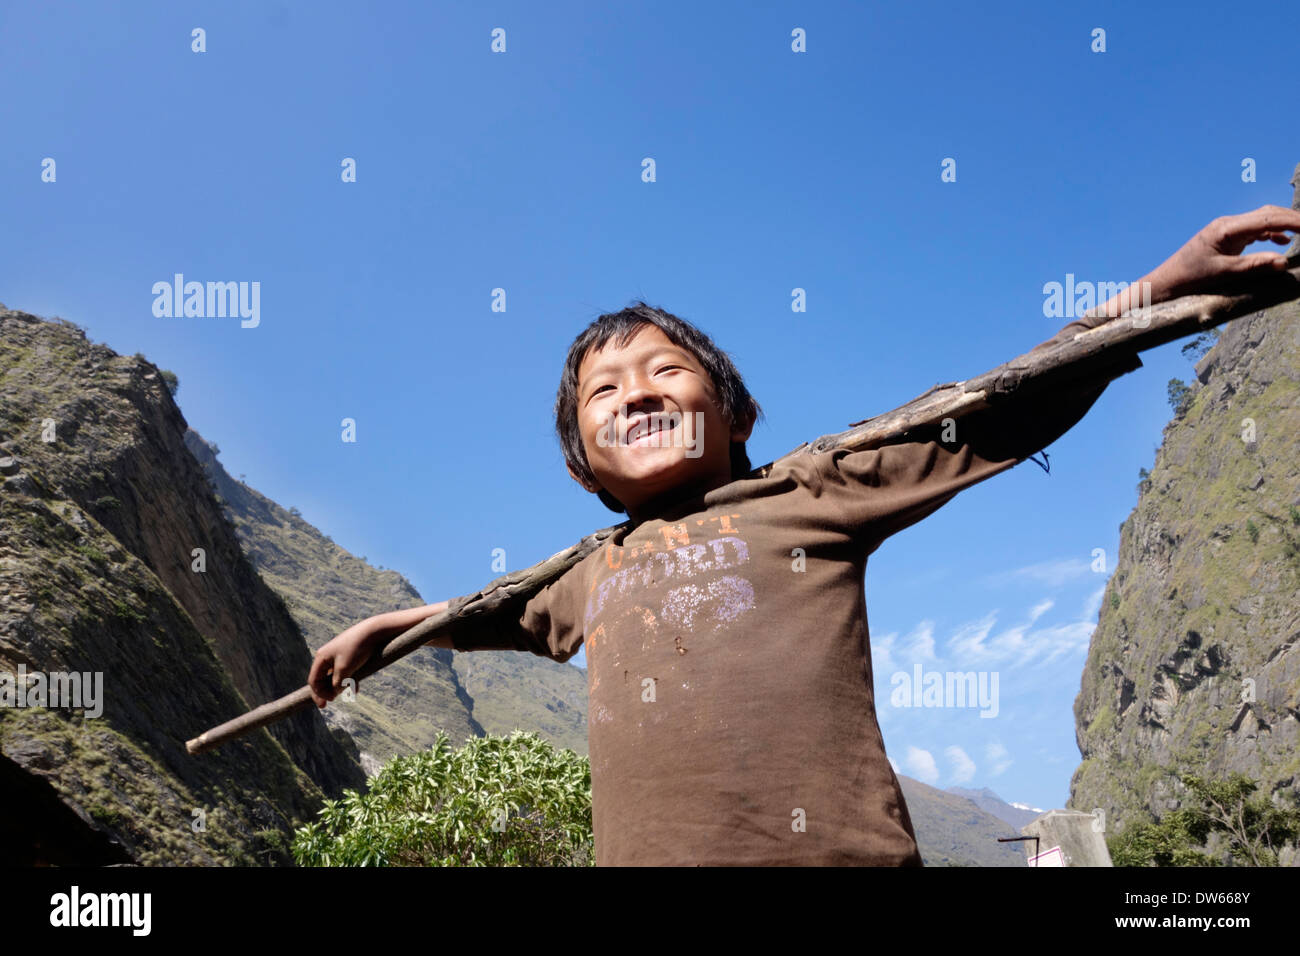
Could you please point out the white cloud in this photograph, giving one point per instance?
(998, 757)
(920, 643)
(920, 764)
(1094, 604)
(1051, 573)
(1041, 608)
(963, 768)
(893, 764)
(882, 653)
(1017, 646)
(968, 642)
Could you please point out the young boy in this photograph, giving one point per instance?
(732, 716)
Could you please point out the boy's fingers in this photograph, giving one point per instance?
(318, 682)
(1266, 220)
(1257, 261)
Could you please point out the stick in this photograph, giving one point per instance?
(1112, 344)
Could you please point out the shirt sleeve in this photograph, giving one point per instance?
(549, 624)
(879, 492)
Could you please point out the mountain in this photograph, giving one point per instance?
(1014, 815)
(116, 561)
(1195, 662)
(401, 708)
(951, 830)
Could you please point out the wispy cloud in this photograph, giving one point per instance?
(1041, 608)
(998, 757)
(888, 653)
(968, 642)
(963, 768)
(979, 643)
(920, 764)
(1050, 573)
(1094, 604)
(882, 654)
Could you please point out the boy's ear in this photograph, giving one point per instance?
(590, 487)
(742, 429)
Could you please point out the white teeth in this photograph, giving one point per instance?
(655, 428)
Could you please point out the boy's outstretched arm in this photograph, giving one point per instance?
(876, 493)
(341, 657)
(1211, 260)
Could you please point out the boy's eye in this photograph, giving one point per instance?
(665, 368)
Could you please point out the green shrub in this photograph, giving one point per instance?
(1254, 828)
(497, 801)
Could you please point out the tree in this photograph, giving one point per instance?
(173, 383)
(497, 801)
(1195, 349)
(1180, 395)
(1256, 829)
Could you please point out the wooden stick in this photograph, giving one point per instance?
(1112, 344)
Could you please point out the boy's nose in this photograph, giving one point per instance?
(640, 390)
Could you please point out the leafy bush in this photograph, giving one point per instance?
(1255, 829)
(497, 801)
(173, 383)
(1252, 530)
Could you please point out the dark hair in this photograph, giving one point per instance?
(737, 405)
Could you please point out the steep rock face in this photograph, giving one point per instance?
(1204, 604)
(102, 509)
(402, 708)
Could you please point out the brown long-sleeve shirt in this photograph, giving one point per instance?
(732, 715)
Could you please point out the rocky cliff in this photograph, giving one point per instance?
(401, 708)
(1195, 662)
(116, 559)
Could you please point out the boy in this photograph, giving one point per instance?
(732, 717)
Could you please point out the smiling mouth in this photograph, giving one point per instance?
(653, 428)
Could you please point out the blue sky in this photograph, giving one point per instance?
(522, 170)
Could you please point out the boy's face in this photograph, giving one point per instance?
(652, 382)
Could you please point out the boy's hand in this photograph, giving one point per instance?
(341, 657)
(1212, 261)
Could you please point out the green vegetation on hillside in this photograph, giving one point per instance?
(497, 801)
(1254, 828)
